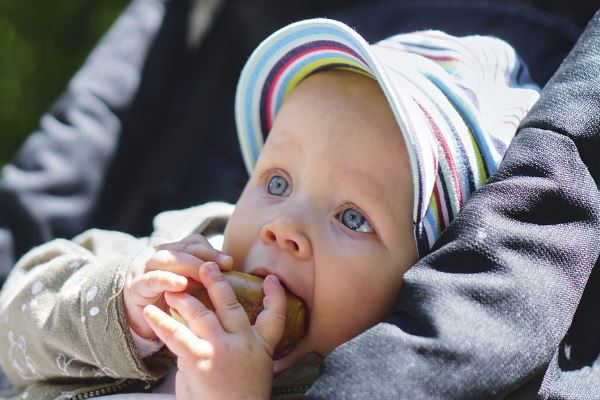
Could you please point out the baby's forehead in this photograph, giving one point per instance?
(339, 101)
(356, 163)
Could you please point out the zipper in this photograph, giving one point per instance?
(278, 391)
(103, 391)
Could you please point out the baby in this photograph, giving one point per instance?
(360, 155)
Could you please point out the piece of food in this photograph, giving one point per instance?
(248, 290)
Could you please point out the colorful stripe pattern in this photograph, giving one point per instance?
(457, 101)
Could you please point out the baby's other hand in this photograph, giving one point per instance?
(186, 256)
(220, 355)
(165, 270)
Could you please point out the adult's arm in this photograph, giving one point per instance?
(482, 315)
(52, 185)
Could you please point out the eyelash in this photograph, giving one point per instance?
(264, 176)
(345, 207)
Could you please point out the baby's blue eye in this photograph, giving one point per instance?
(354, 220)
(278, 186)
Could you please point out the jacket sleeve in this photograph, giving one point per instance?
(63, 317)
(52, 185)
(481, 316)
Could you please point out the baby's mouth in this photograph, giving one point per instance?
(297, 317)
(283, 352)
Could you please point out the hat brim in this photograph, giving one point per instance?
(287, 57)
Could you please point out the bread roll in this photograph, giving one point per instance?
(248, 290)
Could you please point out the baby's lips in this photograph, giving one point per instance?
(248, 290)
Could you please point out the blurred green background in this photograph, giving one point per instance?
(42, 44)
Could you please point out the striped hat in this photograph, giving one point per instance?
(457, 100)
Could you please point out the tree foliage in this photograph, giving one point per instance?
(42, 44)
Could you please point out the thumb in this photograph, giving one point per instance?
(270, 323)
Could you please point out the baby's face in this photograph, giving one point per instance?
(328, 208)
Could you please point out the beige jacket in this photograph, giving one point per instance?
(62, 324)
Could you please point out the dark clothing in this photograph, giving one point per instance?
(491, 312)
(147, 124)
(147, 121)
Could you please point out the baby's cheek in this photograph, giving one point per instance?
(339, 321)
(234, 246)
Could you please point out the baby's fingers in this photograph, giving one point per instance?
(270, 323)
(230, 312)
(200, 320)
(177, 262)
(153, 284)
(199, 246)
(177, 337)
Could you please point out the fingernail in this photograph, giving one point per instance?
(272, 280)
(225, 259)
(212, 268)
(149, 310)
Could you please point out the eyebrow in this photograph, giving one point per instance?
(375, 190)
(374, 193)
(286, 140)
(290, 141)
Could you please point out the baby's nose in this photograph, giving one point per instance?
(283, 234)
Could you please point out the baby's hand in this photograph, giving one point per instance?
(220, 355)
(165, 270)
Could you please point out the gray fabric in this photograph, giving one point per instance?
(571, 106)
(485, 314)
(159, 92)
(146, 122)
(64, 327)
(52, 187)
